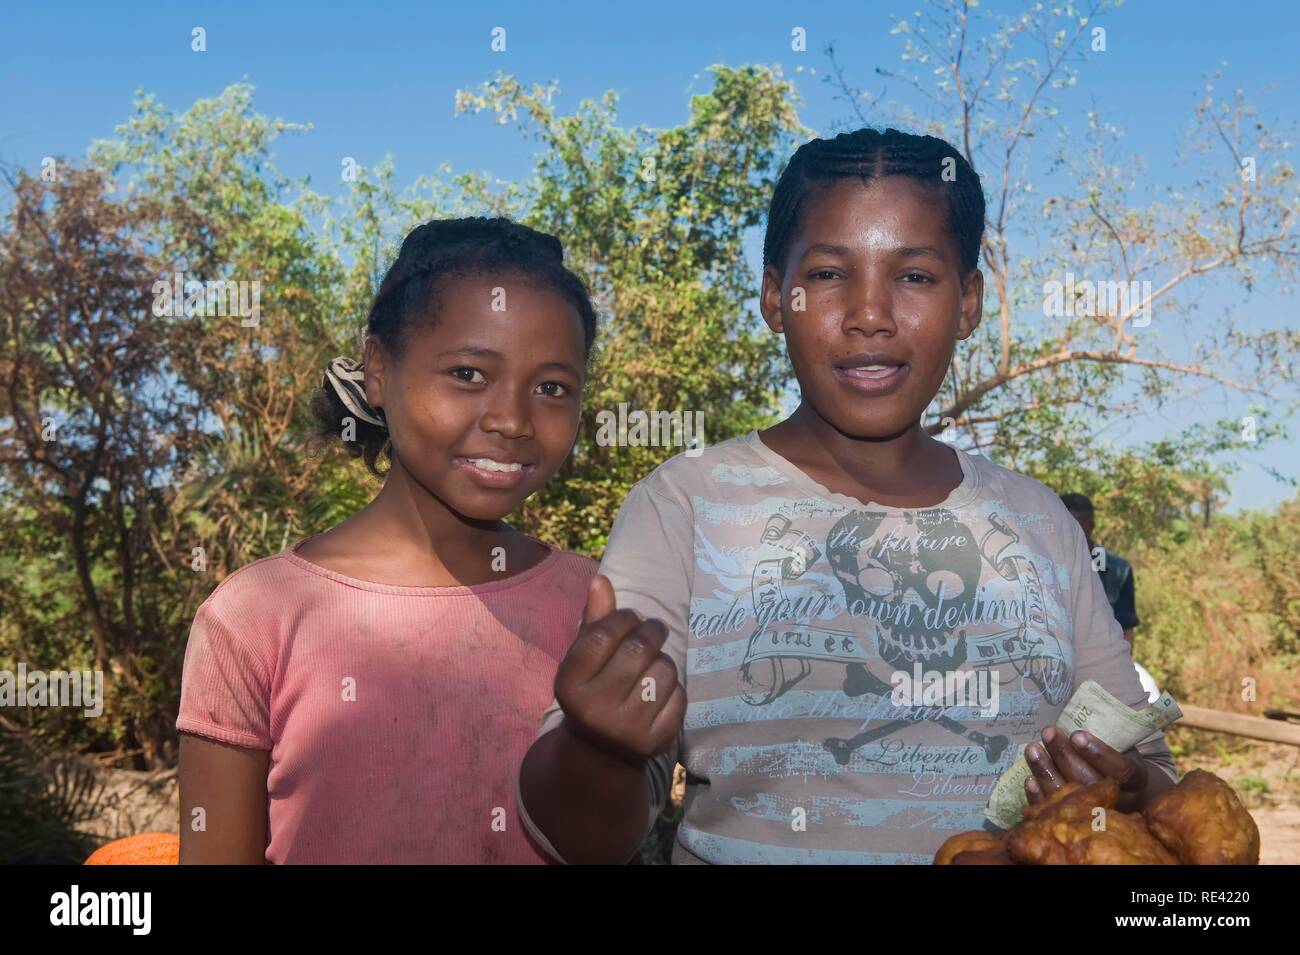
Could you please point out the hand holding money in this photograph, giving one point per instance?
(1105, 730)
(1083, 759)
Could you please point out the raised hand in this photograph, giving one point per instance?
(619, 691)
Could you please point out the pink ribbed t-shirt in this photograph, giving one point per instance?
(396, 717)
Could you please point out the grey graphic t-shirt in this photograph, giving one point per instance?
(858, 676)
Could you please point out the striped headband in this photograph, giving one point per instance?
(348, 379)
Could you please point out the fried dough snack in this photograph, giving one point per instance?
(1063, 820)
(1202, 822)
(1061, 832)
(1125, 841)
(1198, 822)
(977, 839)
(994, 855)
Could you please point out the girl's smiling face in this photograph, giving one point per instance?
(482, 406)
(878, 275)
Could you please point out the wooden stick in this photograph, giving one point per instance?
(1238, 724)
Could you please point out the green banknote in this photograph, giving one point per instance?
(1093, 709)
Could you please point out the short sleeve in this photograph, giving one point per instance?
(648, 560)
(1101, 653)
(225, 686)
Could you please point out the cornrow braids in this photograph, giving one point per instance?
(431, 254)
(447, 248)
(871, 154)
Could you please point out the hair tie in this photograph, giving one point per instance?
(348, 379)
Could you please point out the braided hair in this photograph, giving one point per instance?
(870, 154)
(430, 255)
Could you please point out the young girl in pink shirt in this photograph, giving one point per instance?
(366, 695)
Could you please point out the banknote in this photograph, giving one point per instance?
(1091, 708)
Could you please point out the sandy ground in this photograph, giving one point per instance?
(1279, 834)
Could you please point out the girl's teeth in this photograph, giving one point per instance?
(487, 464)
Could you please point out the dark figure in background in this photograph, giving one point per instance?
(1116, 573)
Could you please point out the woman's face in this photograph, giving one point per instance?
(871, 301)
(482, 407)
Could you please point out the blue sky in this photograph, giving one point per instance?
(378, 80)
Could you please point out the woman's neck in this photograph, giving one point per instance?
(909, 469)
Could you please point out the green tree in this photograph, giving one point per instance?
(148, 454)
(78, 462)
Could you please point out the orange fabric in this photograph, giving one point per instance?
(147, 848)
